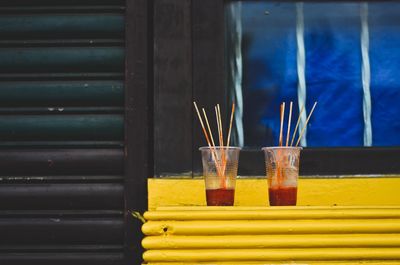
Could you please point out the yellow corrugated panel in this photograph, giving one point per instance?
(255, 227)
(272, 241)
(272, 235)
(270, 254)
(245, 213)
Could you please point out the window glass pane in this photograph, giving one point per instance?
(344, 55)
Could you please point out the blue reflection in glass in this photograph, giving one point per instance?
(333, 71)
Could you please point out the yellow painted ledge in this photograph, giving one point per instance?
(379, 262)
(254, 192)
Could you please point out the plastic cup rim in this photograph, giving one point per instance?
(282, 147)
(220, 147)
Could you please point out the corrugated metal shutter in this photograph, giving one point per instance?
(61, 132)
(272, 235)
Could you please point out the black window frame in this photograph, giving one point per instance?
(189, 63)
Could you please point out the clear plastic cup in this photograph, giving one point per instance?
(220, 165)
(282, 170)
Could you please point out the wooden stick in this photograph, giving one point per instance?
(305, 126)
(223, 157)
(202, 124)
(213, 154)
(288, 126)
(220, 172)
(208, 127)
(229, 132)
(297, 125)
(219, 129)
(282, 118)
(279, 157)
(230, 125)
(220, 125)
(219, 137)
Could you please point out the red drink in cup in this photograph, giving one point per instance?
(220, 197)
(282, 196)
(220, 166)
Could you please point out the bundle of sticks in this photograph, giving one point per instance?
(282, 118)
(220, 161)
(280, 159)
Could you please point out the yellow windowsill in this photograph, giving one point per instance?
(253, 192)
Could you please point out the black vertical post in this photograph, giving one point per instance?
(208, 66)
(138, 120)
(173, 86)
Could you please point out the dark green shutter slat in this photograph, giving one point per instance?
(60, 161)
(78, 4)
(61, 127)
(61, 93)
(63, 26)
(57, 230)
(62, 59)
(60, 76)
(61, 179)
(55, 248)
(62, 258)
(61, 144)
(102, 196)
(60, 110)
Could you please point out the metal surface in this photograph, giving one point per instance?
(61, 119)
(272, 235)
(61, 127)
(61, 93)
